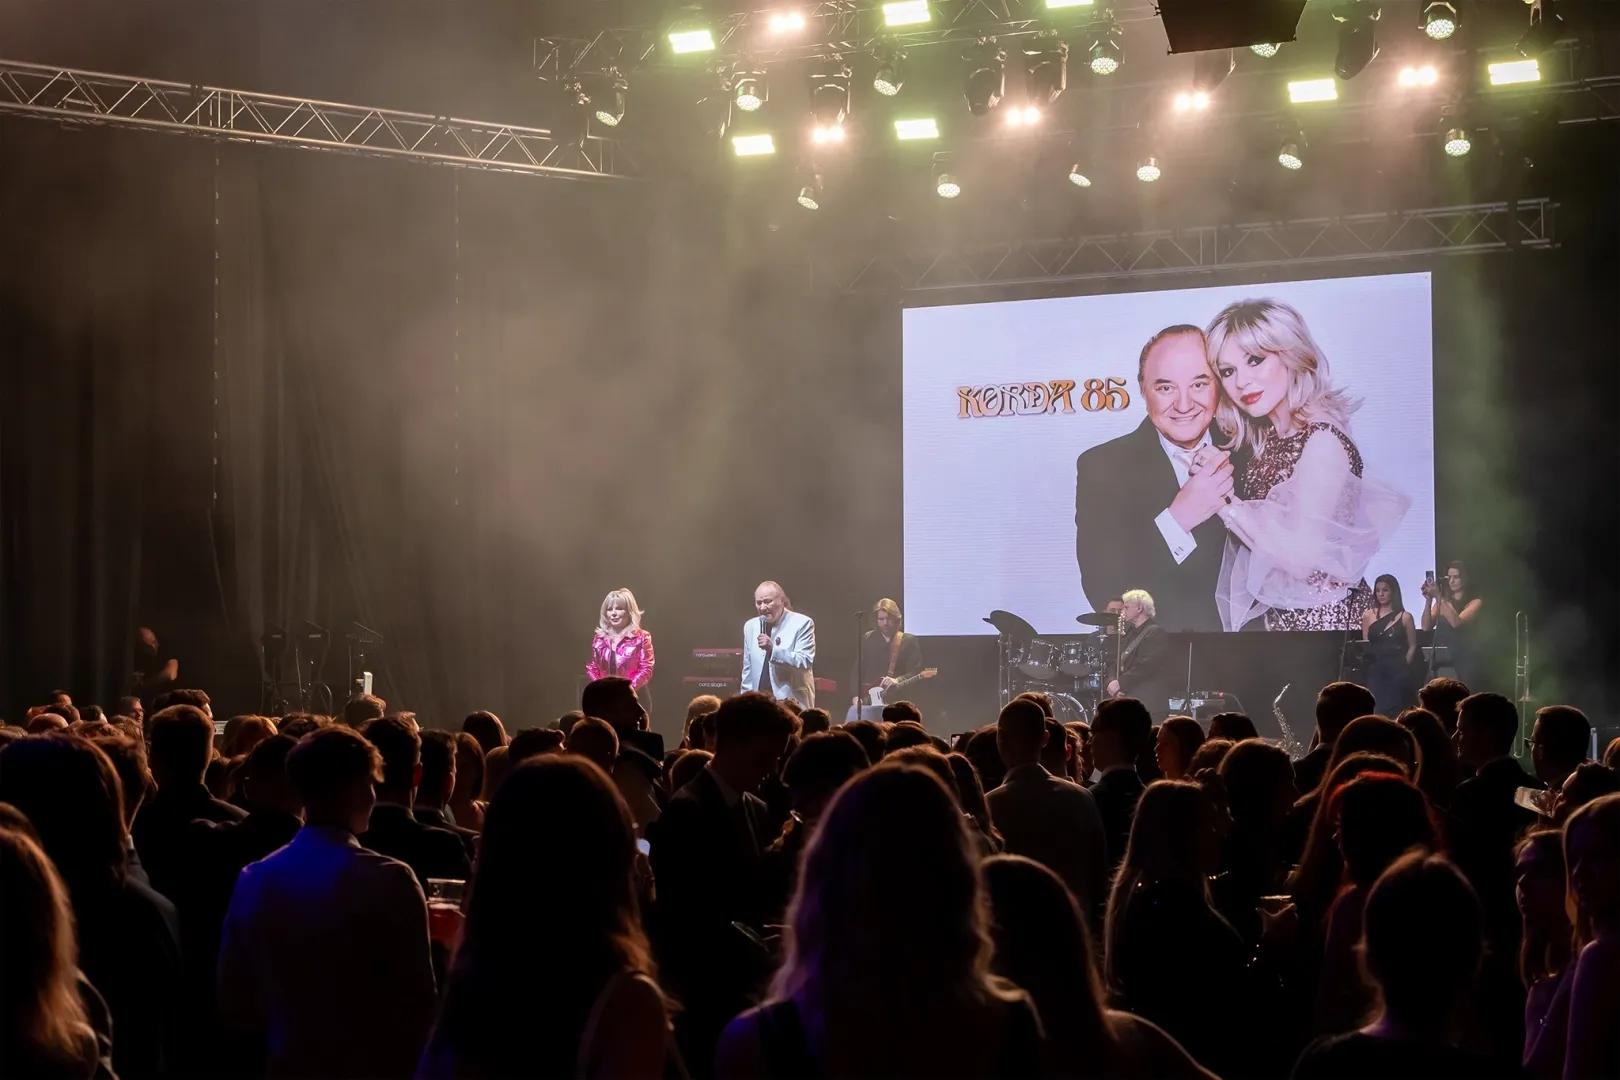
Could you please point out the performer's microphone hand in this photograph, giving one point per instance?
(764, 641)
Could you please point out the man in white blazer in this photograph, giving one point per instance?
(779, 649)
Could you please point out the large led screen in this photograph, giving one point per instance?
(1253, 457)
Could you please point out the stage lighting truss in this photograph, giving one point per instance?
(985, 75)
(1358, 36)
(829, 100)
(1106, 50)
(1440, 20)
(891, 71)
(750, 89)
(1546, 27)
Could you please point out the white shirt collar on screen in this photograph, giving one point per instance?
(1181, 459)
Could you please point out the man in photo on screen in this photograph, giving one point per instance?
(1146, 502)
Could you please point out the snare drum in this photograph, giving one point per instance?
(1079, 659)
(1040, 660)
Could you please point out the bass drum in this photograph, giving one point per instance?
(1068, 708)
(1041, 659)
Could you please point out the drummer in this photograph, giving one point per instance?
(1113, 607)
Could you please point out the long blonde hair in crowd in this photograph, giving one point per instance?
(1272, 328)
(628, 599)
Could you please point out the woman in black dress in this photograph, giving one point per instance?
(1450, 609)
(1391, 635)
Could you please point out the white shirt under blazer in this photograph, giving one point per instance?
(793, 657)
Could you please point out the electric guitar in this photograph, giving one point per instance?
(879, 693)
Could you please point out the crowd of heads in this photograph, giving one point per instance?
(1442, 882)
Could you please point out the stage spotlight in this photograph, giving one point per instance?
(906, 13)
(891, 74)
(1546, 26)
(1195, 101)
(1264, 50)
(1440, 20)
(829, 94)
(810, 192)
(691, 36)
(1358, 36)
(986, 78)
(1077, 176)
(1053, 5)
(752, 145)
(822, 134)
(916, 129)
(1210, 69)
(1106, 48)
(1309, 90)
(946, 186)
(1147, 170)
(1022, 116)
(1457, 143)
(1292, 154)
(1418, 76)
(610, 99)
(1046, 69)
(1509, 72)
(749, 90)
(786, 22)
(574, 93)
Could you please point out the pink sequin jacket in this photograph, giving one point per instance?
(631, 658)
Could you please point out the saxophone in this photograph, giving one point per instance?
(1290, 743)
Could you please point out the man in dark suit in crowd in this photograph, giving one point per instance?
(181, 745)
(1046, 817)
(1486, 823)
(1144, 656)
(639, 765)
(393, 831)
(1120, 732)
(706, 852)
(438, 781)
(1146, 502)
(1336, 705)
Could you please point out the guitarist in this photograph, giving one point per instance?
(888, 654)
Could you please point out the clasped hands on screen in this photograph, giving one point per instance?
(1207, 490)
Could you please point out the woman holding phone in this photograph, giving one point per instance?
(1452, 613)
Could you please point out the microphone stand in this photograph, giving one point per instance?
(1344, 646)
(860, 660)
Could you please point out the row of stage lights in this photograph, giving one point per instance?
(1045, 67)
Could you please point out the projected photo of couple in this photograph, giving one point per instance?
(1239, 503)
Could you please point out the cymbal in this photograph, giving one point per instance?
(1097, 618)
(1011, 625)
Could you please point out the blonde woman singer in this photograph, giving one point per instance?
(621, 647)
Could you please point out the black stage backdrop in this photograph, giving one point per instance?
(247, 386)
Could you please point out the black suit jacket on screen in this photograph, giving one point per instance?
(1120, 487)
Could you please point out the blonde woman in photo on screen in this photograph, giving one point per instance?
(1304, 522)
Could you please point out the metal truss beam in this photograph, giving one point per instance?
(1452, 230)
(88, 97)
(833, 27)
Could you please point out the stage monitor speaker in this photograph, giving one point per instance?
(1203, 25)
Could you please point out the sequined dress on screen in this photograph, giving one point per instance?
(1301, 533)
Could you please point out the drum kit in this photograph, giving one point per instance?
(1074, 673)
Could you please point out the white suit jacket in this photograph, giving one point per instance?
(793, 657)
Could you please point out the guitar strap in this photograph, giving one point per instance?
(894, 650)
